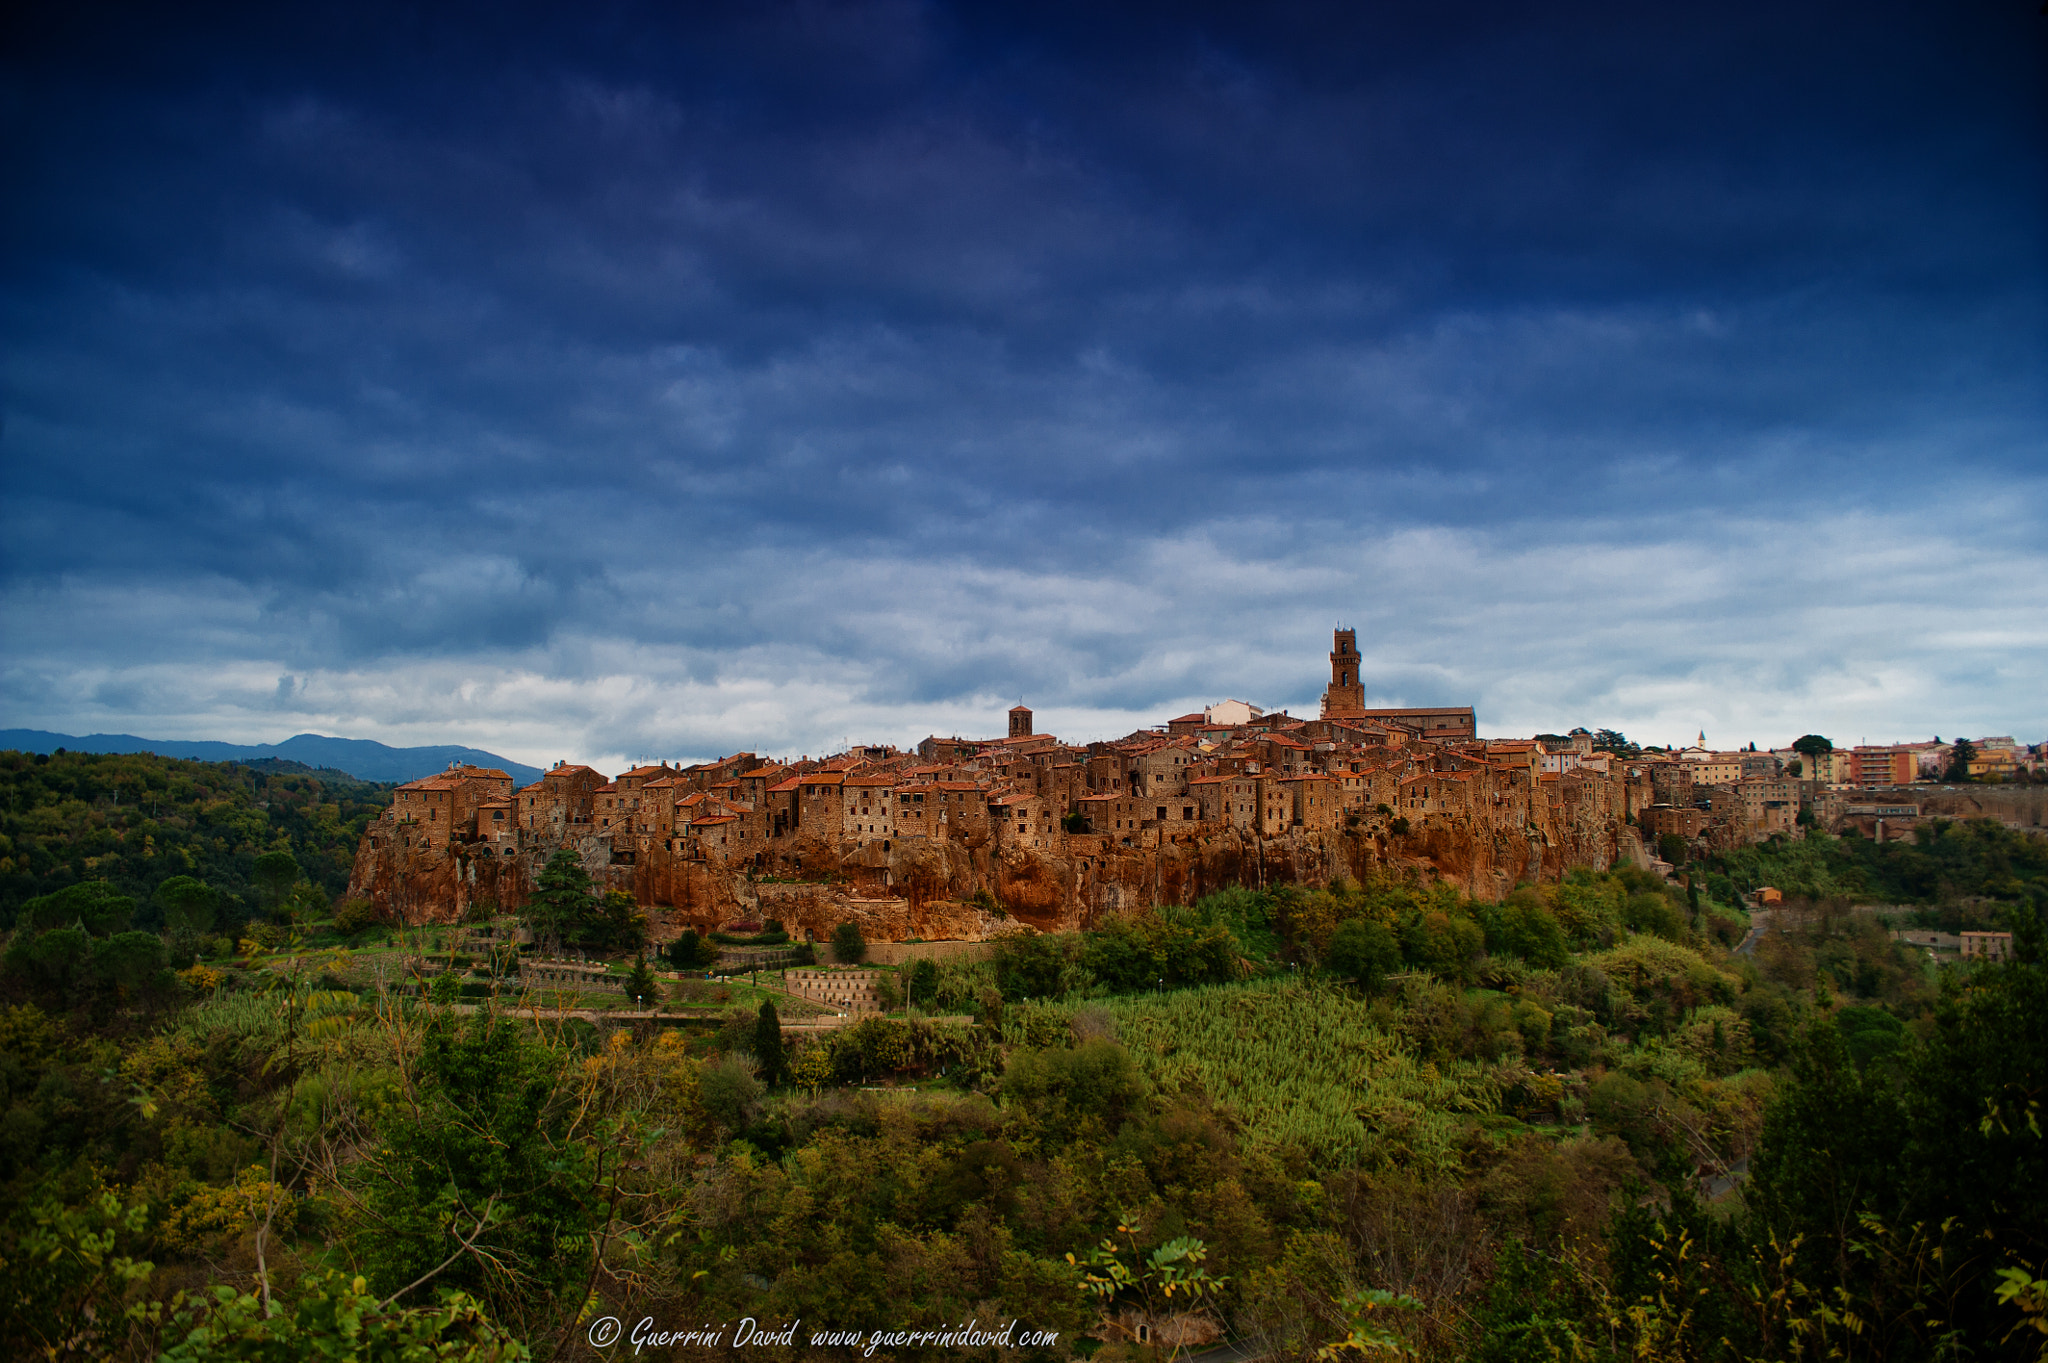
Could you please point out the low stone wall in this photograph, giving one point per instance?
(571, 973)
(896, 953)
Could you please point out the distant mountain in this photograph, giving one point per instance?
(359, 757)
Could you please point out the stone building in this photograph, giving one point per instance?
(437, 810)
(562, 801)
(868, 808)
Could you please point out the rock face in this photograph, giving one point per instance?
(2014, 806)
(941, 889)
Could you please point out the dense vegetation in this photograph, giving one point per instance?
(1961, 873)
(1364, 1118)
(132, 821)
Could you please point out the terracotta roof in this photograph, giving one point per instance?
(784, 787)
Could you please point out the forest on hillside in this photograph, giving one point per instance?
(133, 821)
(1363, 1120)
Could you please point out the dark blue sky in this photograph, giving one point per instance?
(608, 380)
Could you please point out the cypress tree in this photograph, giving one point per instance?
(768, 1043)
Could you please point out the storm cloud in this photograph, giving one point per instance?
(648, 381)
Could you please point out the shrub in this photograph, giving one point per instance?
(354, 916)
(1093, 1081)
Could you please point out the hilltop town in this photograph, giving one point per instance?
(959, 836)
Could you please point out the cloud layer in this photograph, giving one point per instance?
(662, 385)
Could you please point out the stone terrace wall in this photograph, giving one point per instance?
(896, 953)
(849, 991)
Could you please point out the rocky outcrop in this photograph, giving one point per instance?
(950, 890)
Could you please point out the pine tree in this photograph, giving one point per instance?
(1960, 758)
(641, 986)
(559, 908)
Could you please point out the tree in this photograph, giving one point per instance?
(131, 965)
(848, 946)
(92, 904)
(1959, 759)
(188, 904)
(768, 1044)
(689, 951)
(276, 871)
(614, 923)
(557, 910)
(1523, 925)
(924, 983)
(477, 1183)
(50, 963)
(1444, 944)
(1812, 745)
(1614, 741)
(641, 985)
(1364, 951)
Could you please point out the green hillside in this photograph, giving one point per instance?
(135, 820)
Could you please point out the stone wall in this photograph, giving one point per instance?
(896, 953)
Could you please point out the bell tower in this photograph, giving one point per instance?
(1346, 697)
(1020, 721)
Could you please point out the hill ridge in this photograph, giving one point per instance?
(363, 758)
